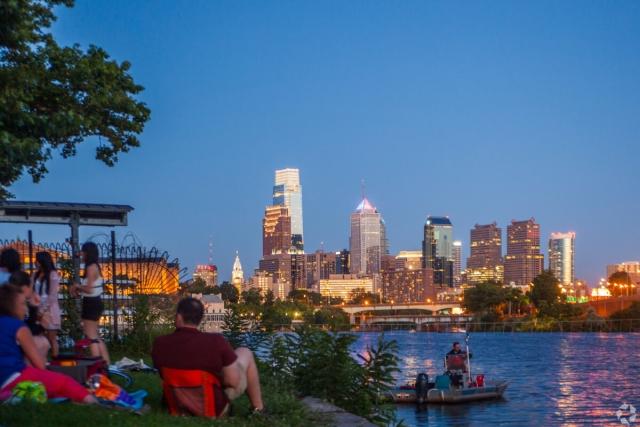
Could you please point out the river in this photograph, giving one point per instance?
(555, 379)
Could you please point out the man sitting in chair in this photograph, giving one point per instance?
(189, 349)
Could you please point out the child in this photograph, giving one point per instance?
(16, 344)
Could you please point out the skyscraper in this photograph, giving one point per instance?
(208, 273)
(437, 252)
(366, 243)
(523, 261)
(276, 230)
(287, 192)
(457, 261)
(562, 256)
(485, 260)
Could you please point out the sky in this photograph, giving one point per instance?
(482, 110)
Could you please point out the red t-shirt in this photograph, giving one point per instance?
(188, 348)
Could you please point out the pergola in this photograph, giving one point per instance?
(71, 214)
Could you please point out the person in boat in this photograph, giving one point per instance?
(457, 350)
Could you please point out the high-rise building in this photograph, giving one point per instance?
(523, 261)
(279, 266)
(319, 265)
(437, 252)
(237, 275)
(276, 230)
(366, 244)
(485, 260)
(343, 261)
(457, 262)
(287, 192)
(562, 257)
(404, 280)
(208, 273)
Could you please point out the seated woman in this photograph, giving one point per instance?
(16, 344)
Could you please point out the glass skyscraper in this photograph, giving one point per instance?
(368, 239)
(437, 249)
(287, 191)
(562, 256)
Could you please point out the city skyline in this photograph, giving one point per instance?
(439, 115)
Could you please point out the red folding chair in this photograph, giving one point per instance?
(191, 392)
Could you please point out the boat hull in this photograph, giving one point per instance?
(434, 395)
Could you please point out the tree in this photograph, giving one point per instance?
(229, 293)
(620, 284)
(485, 298)
(545, 290)
(252, 297)
(306, 296)
(199, 286)
(53, 97)
(360, 296)
(269, 298)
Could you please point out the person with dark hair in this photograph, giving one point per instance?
(21, 280)
(91, 291)
(188, 348)
(9, 263)
(16, 345)
(46, 283)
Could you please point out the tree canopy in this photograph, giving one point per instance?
(53, 97)
(620, 283)
(545, 290)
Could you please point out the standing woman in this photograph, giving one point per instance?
(91, 291)
(46, 283)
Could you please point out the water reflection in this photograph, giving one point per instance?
(554, 378)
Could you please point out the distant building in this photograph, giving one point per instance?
(276, 231)
(368, 239)
(264, 281)
(213, 319)
(437, 249)
(404, 280)
(523, 261)
(287, 192)
(237, 275)
(630, 267)
(343, 260)
(208, 273)
(341, 285)
(485, 260)
(319, 265)
(457, 262)
(562, 257)
(278, 266)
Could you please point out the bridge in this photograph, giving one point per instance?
(417, 313)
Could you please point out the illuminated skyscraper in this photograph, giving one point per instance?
(287, 192)
(457, 261)
(485, 260)
(437, 249)
(366, 244)
(208, 273)
(276, 230)
(562, 256)
(523, 261)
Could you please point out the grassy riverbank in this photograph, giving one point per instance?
(284, 410)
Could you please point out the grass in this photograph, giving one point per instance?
(284, 410)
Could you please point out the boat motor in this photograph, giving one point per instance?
(422, 387)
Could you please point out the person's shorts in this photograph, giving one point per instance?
(235, 392)
(92, 308)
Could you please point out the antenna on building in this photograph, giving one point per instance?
(362, 188)
(210, 249)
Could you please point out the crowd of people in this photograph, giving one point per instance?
(30, 320)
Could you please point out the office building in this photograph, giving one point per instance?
(632, 268)
(208, 273)
(287, 192)
(276, 231)
(485, 257)
(562, 257)
(404, 280)
(368, 239)
(342, 285)
(437, 249)
(523, 261)
(456, 248)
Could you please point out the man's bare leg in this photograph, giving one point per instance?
(245, 358)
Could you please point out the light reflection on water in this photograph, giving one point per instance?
(555, 379)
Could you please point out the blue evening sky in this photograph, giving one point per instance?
(483, 111)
